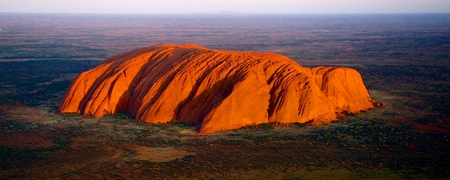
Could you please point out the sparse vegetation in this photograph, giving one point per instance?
(38, 83)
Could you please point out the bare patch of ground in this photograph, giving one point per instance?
(160, 154)
(30, 114)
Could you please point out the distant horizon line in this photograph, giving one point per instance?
(223, 13)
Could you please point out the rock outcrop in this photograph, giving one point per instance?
(222, 90)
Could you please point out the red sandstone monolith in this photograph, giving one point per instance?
(222, 90)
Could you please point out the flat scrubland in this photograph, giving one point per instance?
(403, 60)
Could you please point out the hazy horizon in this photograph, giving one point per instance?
(226, 7)
(221, 13)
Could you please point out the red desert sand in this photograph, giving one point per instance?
(222, 90)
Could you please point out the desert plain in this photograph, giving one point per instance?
(403, 60)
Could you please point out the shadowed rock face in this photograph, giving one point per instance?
(222, 90)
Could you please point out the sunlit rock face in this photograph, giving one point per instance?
(222, 90)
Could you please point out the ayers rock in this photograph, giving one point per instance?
(222, 90)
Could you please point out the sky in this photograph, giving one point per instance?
(216, 6)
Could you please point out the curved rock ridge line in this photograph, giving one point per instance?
(222, 90)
